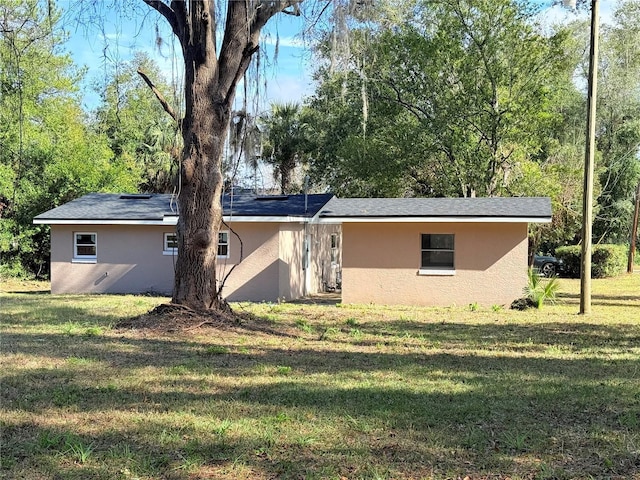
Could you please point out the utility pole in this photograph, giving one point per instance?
(634, 231)
(587, 203)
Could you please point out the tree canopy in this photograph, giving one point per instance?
(473, 98)
(49, 152)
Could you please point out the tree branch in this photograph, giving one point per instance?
(267, 9)
(420, 113)
(180, 11)
(242, 34)
(160, 97)
(167, 12)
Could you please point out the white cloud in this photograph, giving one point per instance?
(554, 15)
(287, 42)
(289, 88)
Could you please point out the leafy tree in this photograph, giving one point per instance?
(285, 143)
(48, 155)
(618, 123)
(457, 97)
(139, 131)
(477, 76)
(213, 65)
(363, 147)
(557, 169)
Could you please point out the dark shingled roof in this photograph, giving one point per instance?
(275, 205)
(111, 206)
(155, 207)
(503, 207)
(115, 206)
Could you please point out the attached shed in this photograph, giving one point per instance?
(435, 251)
(122, 243)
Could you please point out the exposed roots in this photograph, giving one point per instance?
(171, 317)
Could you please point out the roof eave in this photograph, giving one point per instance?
(170, 220)
(433, 219)
(103, 221)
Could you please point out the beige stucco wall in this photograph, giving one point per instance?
(273, 266)
(129, 260)
(291, 264)
(381, 263)
(256, 278)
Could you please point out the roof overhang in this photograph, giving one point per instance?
(434, 220)
(97, 221)
(265, 219)
(170, 220)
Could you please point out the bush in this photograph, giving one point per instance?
(606, 260)
(12, 268)
(537, 291)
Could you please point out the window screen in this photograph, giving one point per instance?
(85, 245)
(223, 244)
(437, 251)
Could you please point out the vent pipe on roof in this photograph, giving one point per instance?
(306, 188)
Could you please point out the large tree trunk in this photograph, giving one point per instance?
(204, 132)
(208, 98)
(211, 78)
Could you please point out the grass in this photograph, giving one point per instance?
(322, 391)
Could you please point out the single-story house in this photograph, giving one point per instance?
(122, 243)
(413, 251)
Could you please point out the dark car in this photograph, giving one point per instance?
(547, 265)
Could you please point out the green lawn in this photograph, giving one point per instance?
(322, 391)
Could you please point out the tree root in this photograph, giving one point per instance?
(172, 317)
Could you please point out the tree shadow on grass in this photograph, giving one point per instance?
(624, 301)
(397, 429)
(31, 292)
(576, 296)
(404, 411)
(516, 337)
(202, 356)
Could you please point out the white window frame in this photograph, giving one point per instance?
(166, 249)
(82, 258)
(334, 248)
(222, 233)
(442, 271)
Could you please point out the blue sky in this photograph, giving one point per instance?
(288, 77)
(98, 48)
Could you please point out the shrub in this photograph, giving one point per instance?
(539, 290)
(606, 260)
(12, 268)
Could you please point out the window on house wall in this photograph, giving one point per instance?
(85, 246)
(334, 248)
(223, 244)
(437, 253)
(171, 244)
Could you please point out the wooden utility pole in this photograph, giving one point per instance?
(634, 231)
(587, 203)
